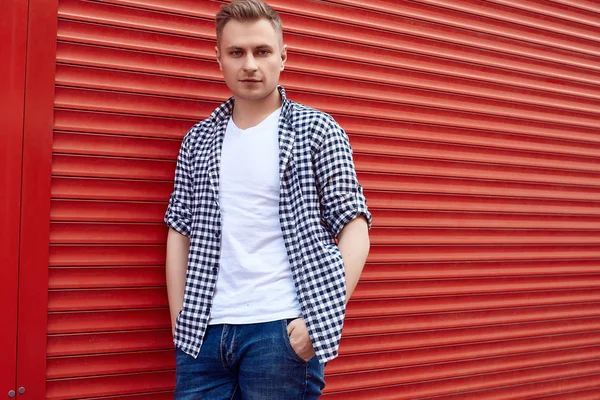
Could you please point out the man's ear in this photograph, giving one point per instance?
(283, 56)
(218, 55)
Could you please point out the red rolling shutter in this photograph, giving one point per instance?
(475, 127)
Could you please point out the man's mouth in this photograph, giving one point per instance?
(251, 80)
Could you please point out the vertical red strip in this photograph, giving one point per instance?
(35, 199)
(13, 34)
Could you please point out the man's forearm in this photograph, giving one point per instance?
(178, 247)
(354, 245)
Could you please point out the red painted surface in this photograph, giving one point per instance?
(35, 216)
(13, 34)
(475, 135)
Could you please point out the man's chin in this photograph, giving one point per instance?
(252, 94)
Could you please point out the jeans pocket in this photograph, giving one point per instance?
(288, 343)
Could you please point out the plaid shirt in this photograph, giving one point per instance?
(319, 195)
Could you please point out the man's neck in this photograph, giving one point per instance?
(249, 113)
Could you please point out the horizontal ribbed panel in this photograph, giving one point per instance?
(154, 233)
(475, 135)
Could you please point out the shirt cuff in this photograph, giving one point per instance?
(178, 217)
(353, 210)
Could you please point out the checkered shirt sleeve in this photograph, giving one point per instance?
(341, 196)
(179, 211)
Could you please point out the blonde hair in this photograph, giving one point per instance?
(246, 11)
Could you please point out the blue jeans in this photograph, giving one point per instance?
(249, 362)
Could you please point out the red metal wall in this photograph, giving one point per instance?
(28, 52)
(13, 31)
(475, 129)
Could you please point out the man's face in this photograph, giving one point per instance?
(251, 57)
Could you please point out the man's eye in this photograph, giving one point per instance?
(263, 52)
(235, 53)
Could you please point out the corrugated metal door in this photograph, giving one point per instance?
(475, 129)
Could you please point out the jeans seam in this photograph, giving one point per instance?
(305, 381)
(223, 361)
(234, 392)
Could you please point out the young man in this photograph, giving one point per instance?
(257, 285)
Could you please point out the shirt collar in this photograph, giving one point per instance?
(225, 109)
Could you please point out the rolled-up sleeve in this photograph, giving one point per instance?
(179, 211)
(340, 194)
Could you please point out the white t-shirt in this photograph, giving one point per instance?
(255, 281)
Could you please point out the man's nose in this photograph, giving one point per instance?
(250, 64)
